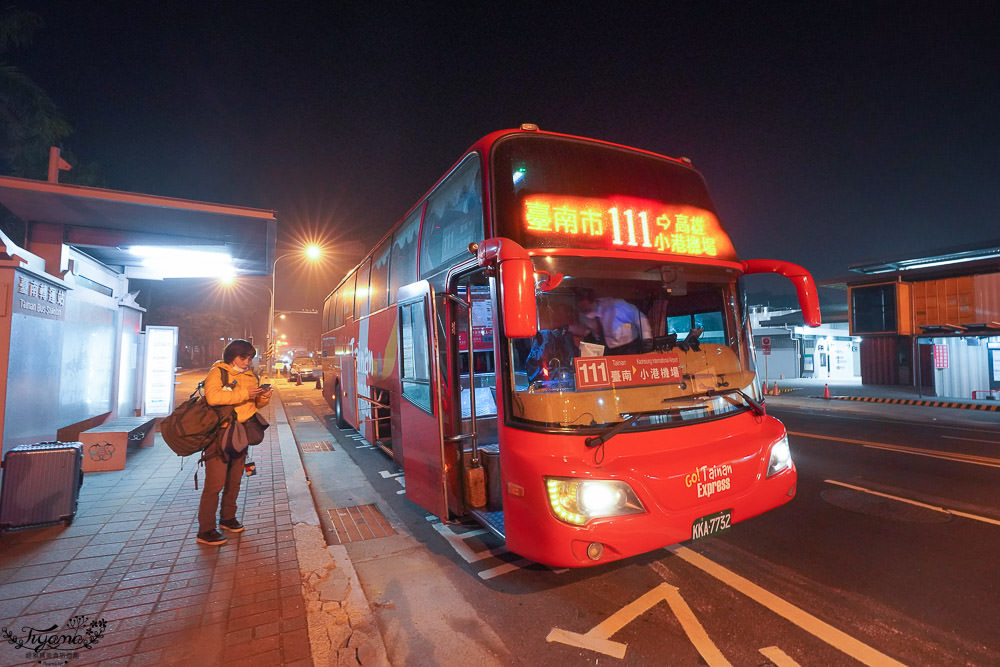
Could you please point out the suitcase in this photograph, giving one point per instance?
(41, 484)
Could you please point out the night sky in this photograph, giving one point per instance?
(829, 133)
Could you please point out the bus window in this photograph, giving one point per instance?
(347, 299)
(379, 284)
(404, 254)
(336, 313)
(454, 219)
(709, 323)
(415, 372)
(326, 315)
(361, 290)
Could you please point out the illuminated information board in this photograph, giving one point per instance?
(623, 223)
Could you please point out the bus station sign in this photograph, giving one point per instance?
(627, 370)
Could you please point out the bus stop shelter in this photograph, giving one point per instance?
(71, 332)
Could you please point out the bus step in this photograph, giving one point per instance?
(492, 521)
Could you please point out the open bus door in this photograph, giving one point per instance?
(419, 426)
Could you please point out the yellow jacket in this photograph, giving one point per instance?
(236, 393)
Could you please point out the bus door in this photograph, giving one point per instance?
(470, 425)
(347, 405)
(420, 438)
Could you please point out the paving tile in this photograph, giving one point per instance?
(52, 554)
(295, 645)
(66, 582)
(52, 601)
(141, 571)
(267, 630)
(300, 622)
(113, 574)
(44, 618)
(13, 607)
(127, 581)
(254, 649)
(18, 589)
(127, 599)
(142, 610)
(44, 571)
(106, 654)
(107, 549)
(147, 658)
(99, 563)
(239, 636)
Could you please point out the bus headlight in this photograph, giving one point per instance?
(578, 501)
(781, 457)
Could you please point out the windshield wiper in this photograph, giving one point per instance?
(757, 408)
(627, 420)
(630, 418)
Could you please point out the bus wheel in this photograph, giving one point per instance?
(338, 408)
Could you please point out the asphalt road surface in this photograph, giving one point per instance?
(888, 555)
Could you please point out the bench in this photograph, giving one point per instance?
(104, 446)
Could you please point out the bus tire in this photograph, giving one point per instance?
(338, 408)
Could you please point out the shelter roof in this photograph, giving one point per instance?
(105, 223)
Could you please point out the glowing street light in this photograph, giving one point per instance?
(312, 252)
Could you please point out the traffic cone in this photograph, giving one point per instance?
(775, 392)
(298, 380)
(826, 391)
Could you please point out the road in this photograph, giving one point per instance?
(888, 555)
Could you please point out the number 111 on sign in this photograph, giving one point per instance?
(591, 373)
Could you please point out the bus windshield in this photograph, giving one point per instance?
(653, 343)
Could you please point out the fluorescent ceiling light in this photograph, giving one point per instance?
(185, 262)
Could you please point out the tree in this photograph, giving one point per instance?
(201, 335)
(30, 122)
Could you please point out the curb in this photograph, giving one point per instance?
(918, 402)
(342, 627)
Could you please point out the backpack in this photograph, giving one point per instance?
(194, 424)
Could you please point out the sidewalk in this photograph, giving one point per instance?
(150, 594)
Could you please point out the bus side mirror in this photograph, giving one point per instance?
(805, 286)
(516, 276)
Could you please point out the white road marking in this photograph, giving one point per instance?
(778, 657)
(385, 474)
(955, 437)
(598, 638)
(457, 543)
(960, 458)
(936, 508)
(503, 569)
(838, 639)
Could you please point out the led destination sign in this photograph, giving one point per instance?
(624, 223)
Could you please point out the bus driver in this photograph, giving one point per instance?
(614, 322)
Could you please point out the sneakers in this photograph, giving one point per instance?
(232, 525)
(212, 537)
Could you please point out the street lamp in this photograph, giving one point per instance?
(311, 252)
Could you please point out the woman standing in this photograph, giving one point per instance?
(224, 471)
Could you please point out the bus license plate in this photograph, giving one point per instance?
(711, 524)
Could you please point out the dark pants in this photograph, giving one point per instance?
(224, 477)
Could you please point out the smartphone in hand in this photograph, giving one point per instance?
(265, 387)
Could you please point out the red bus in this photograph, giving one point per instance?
(552, 341)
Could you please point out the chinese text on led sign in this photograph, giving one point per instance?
(632, 224)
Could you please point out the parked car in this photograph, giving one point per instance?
(304, 368)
